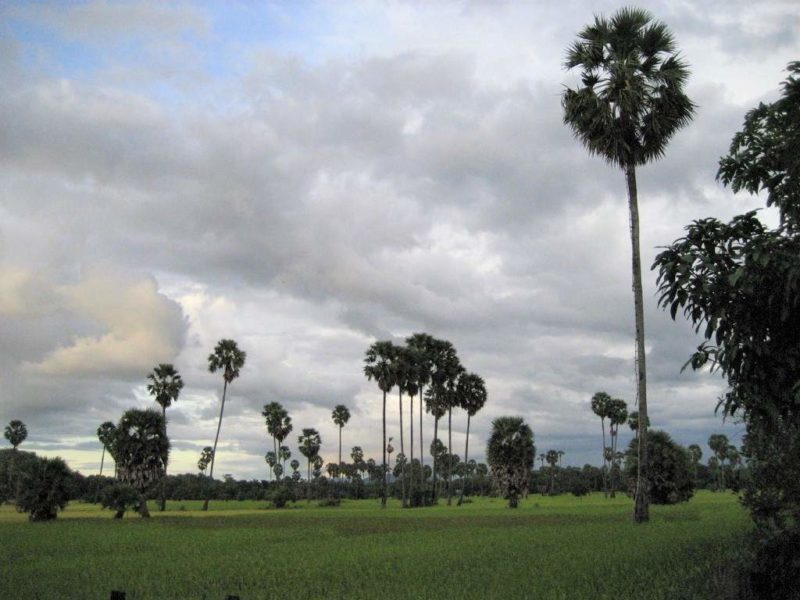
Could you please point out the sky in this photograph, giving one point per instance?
(309, 177)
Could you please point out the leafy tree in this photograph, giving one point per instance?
(378, 366)
(309, 444)
(633, 422)
(141, 450)
(295, 464)
(630, 103)
(205, 459)
(601, 406)
(510, 452)
(229, 359)
(471, 393)
(120, 497)
(696, 454)
(340, 416)
(165, 386)
(44, 489)
(552, 459)
(15, 433)
(670, 468)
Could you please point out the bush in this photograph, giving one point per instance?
(44, 489)
(579, 489)
(120, 497)
(282, 495)
(669, 468)
(775, 570)
(326, 502)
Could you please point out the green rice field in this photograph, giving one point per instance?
(549, 548)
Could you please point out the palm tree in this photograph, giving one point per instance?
(412, 364)
(435, 403)
(718, 443)
(15, 433)
(696, 453)
(471, 392)
(600, 407)
(378, 361)
(617, 415)
(420, 345)
(340, 416)
(284, 453)
(205, 459)
(229, 359)
(141, 450)
(401, 368)
(309, 444)
(105, 433)
(165, 386)
(270, 458)
(552, 459)
(274, 416)
(631, 102)
(441, 396)
(510, 453)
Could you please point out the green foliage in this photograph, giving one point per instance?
(669, 468)
(631, 99)
(165, 385)
(510, 453)
(120, 497)
(44, 489)
(16, 432)
(282, 495)
(140, 447)
(228, 358)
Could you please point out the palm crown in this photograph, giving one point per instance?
(340, 415)
(631, 100)
(165, 385)
(228, 358)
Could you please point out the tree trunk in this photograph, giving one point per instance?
(97, 487)
(449, 456)
(143, 510)
(340, 452)
(308, 481)
(641, 513)
(512, 501)
(433, 455)
(614, 469)
(421, 450)
(163, 486)
(466, 454)
(214, 450)
(605, 462)
(383, 482)
(411, 450)
(402, 451)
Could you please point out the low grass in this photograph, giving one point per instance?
(549, 548)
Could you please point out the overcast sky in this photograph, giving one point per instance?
(306, 178)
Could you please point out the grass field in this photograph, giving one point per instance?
(549, 548)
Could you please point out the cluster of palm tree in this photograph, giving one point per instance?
(616, 411)
(427, 368)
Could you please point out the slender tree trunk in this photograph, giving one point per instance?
(275, 446)
(614, 469)
(383, 482)
(308, 481)
(421, 450)
(163, 486)
(449, 456)
(641, 513)
(97, 487)
(605, 461)
(433, 455)
(466, 454)
(411, 450)
(402, 451)
(214, 450)
(143, 510)
(340, 451)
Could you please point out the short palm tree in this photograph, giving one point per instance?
(471, 393)
(378, 366)
(629, 105)
(229, 359)
(617, 415)
(510, 453)
(340, 416)
(105, 433)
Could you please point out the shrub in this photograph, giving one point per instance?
(325, 502)
(44, 489)
(670, 468)
(282, 495)
(121, 497)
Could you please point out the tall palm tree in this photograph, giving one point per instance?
(471, 392)
(600, 407)
(378, 366)
(229, 359)
(421, 344)
(630, 103)
(401, 368)
(284, 453)
(309, 444)
(165, 386)
(436, 404)
(617, 415)
(274, 415)
(411, 364)
(340, 416)
(105, 433)
(453, 370)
